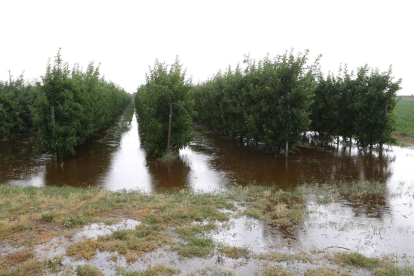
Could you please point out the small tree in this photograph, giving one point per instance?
(166, 93)
(376, 99)
(81, 104)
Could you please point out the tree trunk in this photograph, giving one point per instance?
(169, 127)
(385, 116)
(287, 148)
(52, 113)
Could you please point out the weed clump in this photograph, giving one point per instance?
(236, 252)
(131, 243)
(277, 271)
(87, 270)
(380, 267)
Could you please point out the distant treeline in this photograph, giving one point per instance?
(82, 103)
(271, 102)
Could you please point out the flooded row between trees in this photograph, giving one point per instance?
(115, 160)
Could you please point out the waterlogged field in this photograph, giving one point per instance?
(219, 209)
(243, 231)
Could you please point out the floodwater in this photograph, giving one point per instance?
(115, 160)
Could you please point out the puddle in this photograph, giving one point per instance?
(58, 246)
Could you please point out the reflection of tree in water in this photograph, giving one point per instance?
(373, 205)
(88, 167)
(168, 175)
(17, 161)
(93, 159)
(245, 164)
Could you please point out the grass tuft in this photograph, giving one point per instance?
(87, 270)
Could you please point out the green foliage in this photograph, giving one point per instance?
(267, 103)
(165, 87)
(325, 107)
(83, 102)
(356, 106)
(16, 97)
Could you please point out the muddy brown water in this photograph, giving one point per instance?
(115, 160)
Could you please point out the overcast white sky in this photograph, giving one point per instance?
(127, 36)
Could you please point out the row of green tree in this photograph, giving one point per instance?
(165, 109)
(16, 98)
(65, 108)
(273, 101)
(267, 103)
(358, 106)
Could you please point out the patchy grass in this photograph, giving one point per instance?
(131, 243)
(277, 271)
(19, 257)
(201, 247)
(351, 190)
(28, 267)
(280, 257)
(236, 252)
(211, 271)
(326, 272)
(381, 267)
(356, 259)
(275, 206)
(51, 208)
(178, 221)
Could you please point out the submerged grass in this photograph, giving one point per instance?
(158, 270)
(351, 190)
(275, 206)
(236, 252)
(131, 243)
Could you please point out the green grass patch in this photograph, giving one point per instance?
(404, 117)
(356, 259)
(87, 270)
(201, 247)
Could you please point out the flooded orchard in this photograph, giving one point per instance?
(372, 220)
(115, 160)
